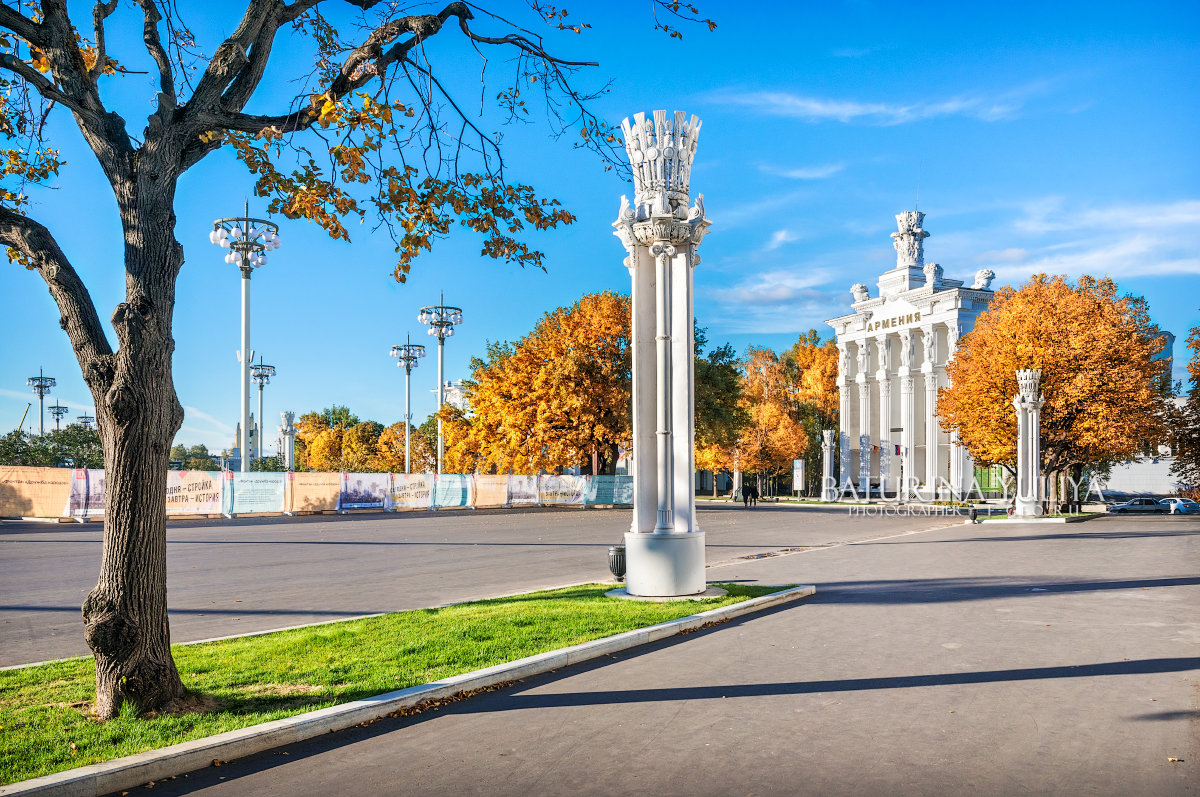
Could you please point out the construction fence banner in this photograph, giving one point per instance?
(560, 490)
(365, 491)
(522, 490)
(35, 492)
(254, 493)
(79, 493)
(194, 492)
(313, 492)
(411, 491)
(87, 493)
(491, 490)
(608, 490)
(453, 490)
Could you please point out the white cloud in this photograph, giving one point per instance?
(780, 238)
(81, 406)
(215, 425)
(782, 300)
(809, 172)
(1057, 237)
(1006, 105)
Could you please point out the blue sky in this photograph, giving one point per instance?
(1040, 137)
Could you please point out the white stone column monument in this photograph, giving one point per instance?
(829, 491)
(664, 548)
(288, 433)
(1028, 404)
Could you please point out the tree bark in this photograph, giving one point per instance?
(138, 414)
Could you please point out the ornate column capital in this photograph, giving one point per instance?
(864, 391)
(907, 384)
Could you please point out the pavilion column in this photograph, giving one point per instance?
(664, 547)
(931, 432)
(883, 345)
(864, 416)
(907, 421)
(843, 418)
(864, 435)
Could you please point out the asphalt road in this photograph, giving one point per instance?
(237, 576)
(980, 660)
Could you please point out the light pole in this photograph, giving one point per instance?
(261, 374)
(441, 319)
(407, 356)
(41, 385)
(86, 421)
(247, 240)
(58, 411)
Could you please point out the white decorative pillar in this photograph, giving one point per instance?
(843, 417)
(864, 417)
(288, 432)
(907, 418)
(961, 472)
(1028, 404)
(928, 343)
(828, 485)
(664, 547)
(883, 344)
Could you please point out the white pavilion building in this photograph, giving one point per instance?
(893, 351)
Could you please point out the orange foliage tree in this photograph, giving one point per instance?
(774, 436)
(812, 366)
(1105, 396)
(556, 396)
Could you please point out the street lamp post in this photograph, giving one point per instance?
(247, 240)
(441, 320)
(58, 411)
(407, 356)
(41, 385)
(261, 374)
(86, 421)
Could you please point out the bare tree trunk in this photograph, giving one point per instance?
(138, 414)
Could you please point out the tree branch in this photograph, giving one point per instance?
(79, 318)
(100, 12)
(22, 26)
(41, 84)
(154, 45)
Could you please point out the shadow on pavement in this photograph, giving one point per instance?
(946, 590)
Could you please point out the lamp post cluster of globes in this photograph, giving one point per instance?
(440, 319)
(248, 240)
(41, 385)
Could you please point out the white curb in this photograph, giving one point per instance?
(135, 770)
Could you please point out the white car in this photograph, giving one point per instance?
(1181, 506)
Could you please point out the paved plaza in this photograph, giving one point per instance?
(935, 659)
(251, 574)
(982, 660)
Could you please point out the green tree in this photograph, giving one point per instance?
(1185, 423)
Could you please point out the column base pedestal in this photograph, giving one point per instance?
(1028, 507)
(664, 565)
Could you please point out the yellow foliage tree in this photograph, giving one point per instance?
(324, 451)
(359, 446)
(555, 397)
(774, 436)
(1103, 388)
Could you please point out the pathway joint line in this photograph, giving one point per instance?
(135, 770)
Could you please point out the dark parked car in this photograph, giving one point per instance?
(1139, 506)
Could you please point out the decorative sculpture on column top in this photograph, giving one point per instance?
(660, 233)
(909, 241)
(1028, 404)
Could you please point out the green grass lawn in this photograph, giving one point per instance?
(45, 725)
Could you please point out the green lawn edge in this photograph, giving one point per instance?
(44, 722)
